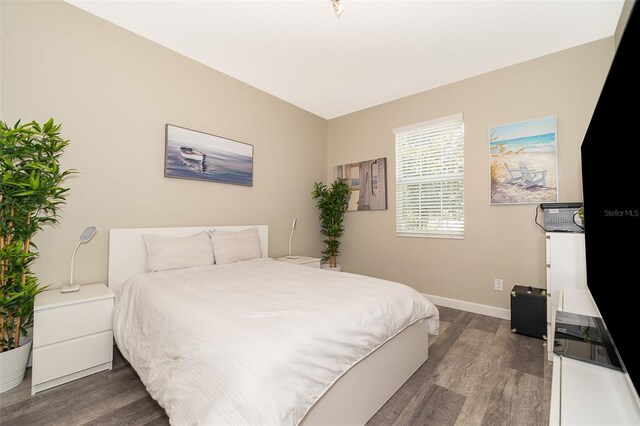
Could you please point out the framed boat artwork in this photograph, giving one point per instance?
(190, 154)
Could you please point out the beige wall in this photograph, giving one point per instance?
(501, 241)
(622, 23)
(1, 31)
(113, 92)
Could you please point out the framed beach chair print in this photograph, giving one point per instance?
(523, 162)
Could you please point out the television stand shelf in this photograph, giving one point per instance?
(588, 394)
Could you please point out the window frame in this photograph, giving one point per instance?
(442, 178)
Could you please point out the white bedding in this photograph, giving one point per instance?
(255, 342)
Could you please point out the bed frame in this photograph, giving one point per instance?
(356, 395)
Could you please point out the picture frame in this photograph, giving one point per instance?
(195, 155)
(523, 162)
(368, 183)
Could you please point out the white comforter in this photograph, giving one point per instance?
(255, 342)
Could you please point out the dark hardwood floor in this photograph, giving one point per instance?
(478, 373)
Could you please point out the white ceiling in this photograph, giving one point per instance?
(377, 51)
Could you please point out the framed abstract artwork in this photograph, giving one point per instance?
(190, 154)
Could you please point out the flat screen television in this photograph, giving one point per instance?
(611, 187)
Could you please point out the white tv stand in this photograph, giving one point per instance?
(587, 394)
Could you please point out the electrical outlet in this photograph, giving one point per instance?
(498, 285)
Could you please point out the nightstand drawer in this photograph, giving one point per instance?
(67, 322)
(64, 358)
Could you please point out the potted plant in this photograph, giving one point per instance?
(581, 216)
(332, 203)
(30, 196)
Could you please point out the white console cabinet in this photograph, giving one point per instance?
(566, 268)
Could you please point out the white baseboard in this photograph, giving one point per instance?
(463, 305)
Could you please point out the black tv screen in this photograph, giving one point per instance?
(611, 186)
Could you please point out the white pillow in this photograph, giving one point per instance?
(235, 246)
(178, 252)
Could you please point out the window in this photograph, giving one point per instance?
(430, 179)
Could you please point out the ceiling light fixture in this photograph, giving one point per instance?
(337, 7)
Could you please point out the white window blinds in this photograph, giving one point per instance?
(430, 179)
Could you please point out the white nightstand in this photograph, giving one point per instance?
(72, 335)
(313, 262)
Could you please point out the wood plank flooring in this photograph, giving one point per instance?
(478, 373)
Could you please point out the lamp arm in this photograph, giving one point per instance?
(290, 237)
(72, 259)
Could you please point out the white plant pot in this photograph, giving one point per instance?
(328, 267)
(13, 364)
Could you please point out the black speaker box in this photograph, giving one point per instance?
(529, 311)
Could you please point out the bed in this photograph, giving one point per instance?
(262, 341)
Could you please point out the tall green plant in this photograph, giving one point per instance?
(332, 203)
(30, 197)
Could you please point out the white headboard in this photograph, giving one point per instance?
(128, 254)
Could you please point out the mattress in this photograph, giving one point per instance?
(255, 342)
